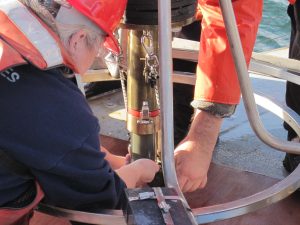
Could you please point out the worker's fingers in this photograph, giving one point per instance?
(182, 180)
(192, 185)
(127, 159)
(196, 186)
(188, 186)
(203, 182)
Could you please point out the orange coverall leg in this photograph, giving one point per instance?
(216, 76)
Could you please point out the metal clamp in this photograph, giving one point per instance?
(164, 207)
(145, 115)
(143, 196)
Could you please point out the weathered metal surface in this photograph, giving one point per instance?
(164, 207)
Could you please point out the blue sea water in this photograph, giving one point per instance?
(274, 30)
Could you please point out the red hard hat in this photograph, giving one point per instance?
(104, 13)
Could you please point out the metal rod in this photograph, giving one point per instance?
(245, 84)
(289, 64)
(281, 110)
(103, 217)
(166, 90)
(272, 71)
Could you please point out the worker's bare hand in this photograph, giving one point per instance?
(193, 155)
(138, 173)
(127, 159)
(192, 164)
(147, 169)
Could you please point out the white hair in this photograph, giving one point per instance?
(65, 31)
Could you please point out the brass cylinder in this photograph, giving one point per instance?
(143, 136)
(138, 90)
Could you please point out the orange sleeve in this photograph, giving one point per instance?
(292, 2)
(198, 15)
(216, 76)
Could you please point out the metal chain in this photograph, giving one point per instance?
(151, 64)
(157, 96)
(123, 76)
(122, 72)
(150, 70)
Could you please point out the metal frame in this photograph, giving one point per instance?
(217, 212)
(166, 92)
(291, 64)
(279, 109)
(277, 191)
(270, 70)
(245, 84)
(105, 217)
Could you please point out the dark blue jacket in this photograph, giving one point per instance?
(46, 123)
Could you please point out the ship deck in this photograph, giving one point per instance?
(242, 165)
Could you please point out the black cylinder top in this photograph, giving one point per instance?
(145, 12)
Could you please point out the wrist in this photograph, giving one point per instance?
(217, 109)
(204, 131)
(205, 123)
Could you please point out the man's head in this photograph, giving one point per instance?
(82, 39)
(84, 26)
(106, 14)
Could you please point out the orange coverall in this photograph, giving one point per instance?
(216, 76)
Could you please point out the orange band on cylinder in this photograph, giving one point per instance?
(137, 113)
